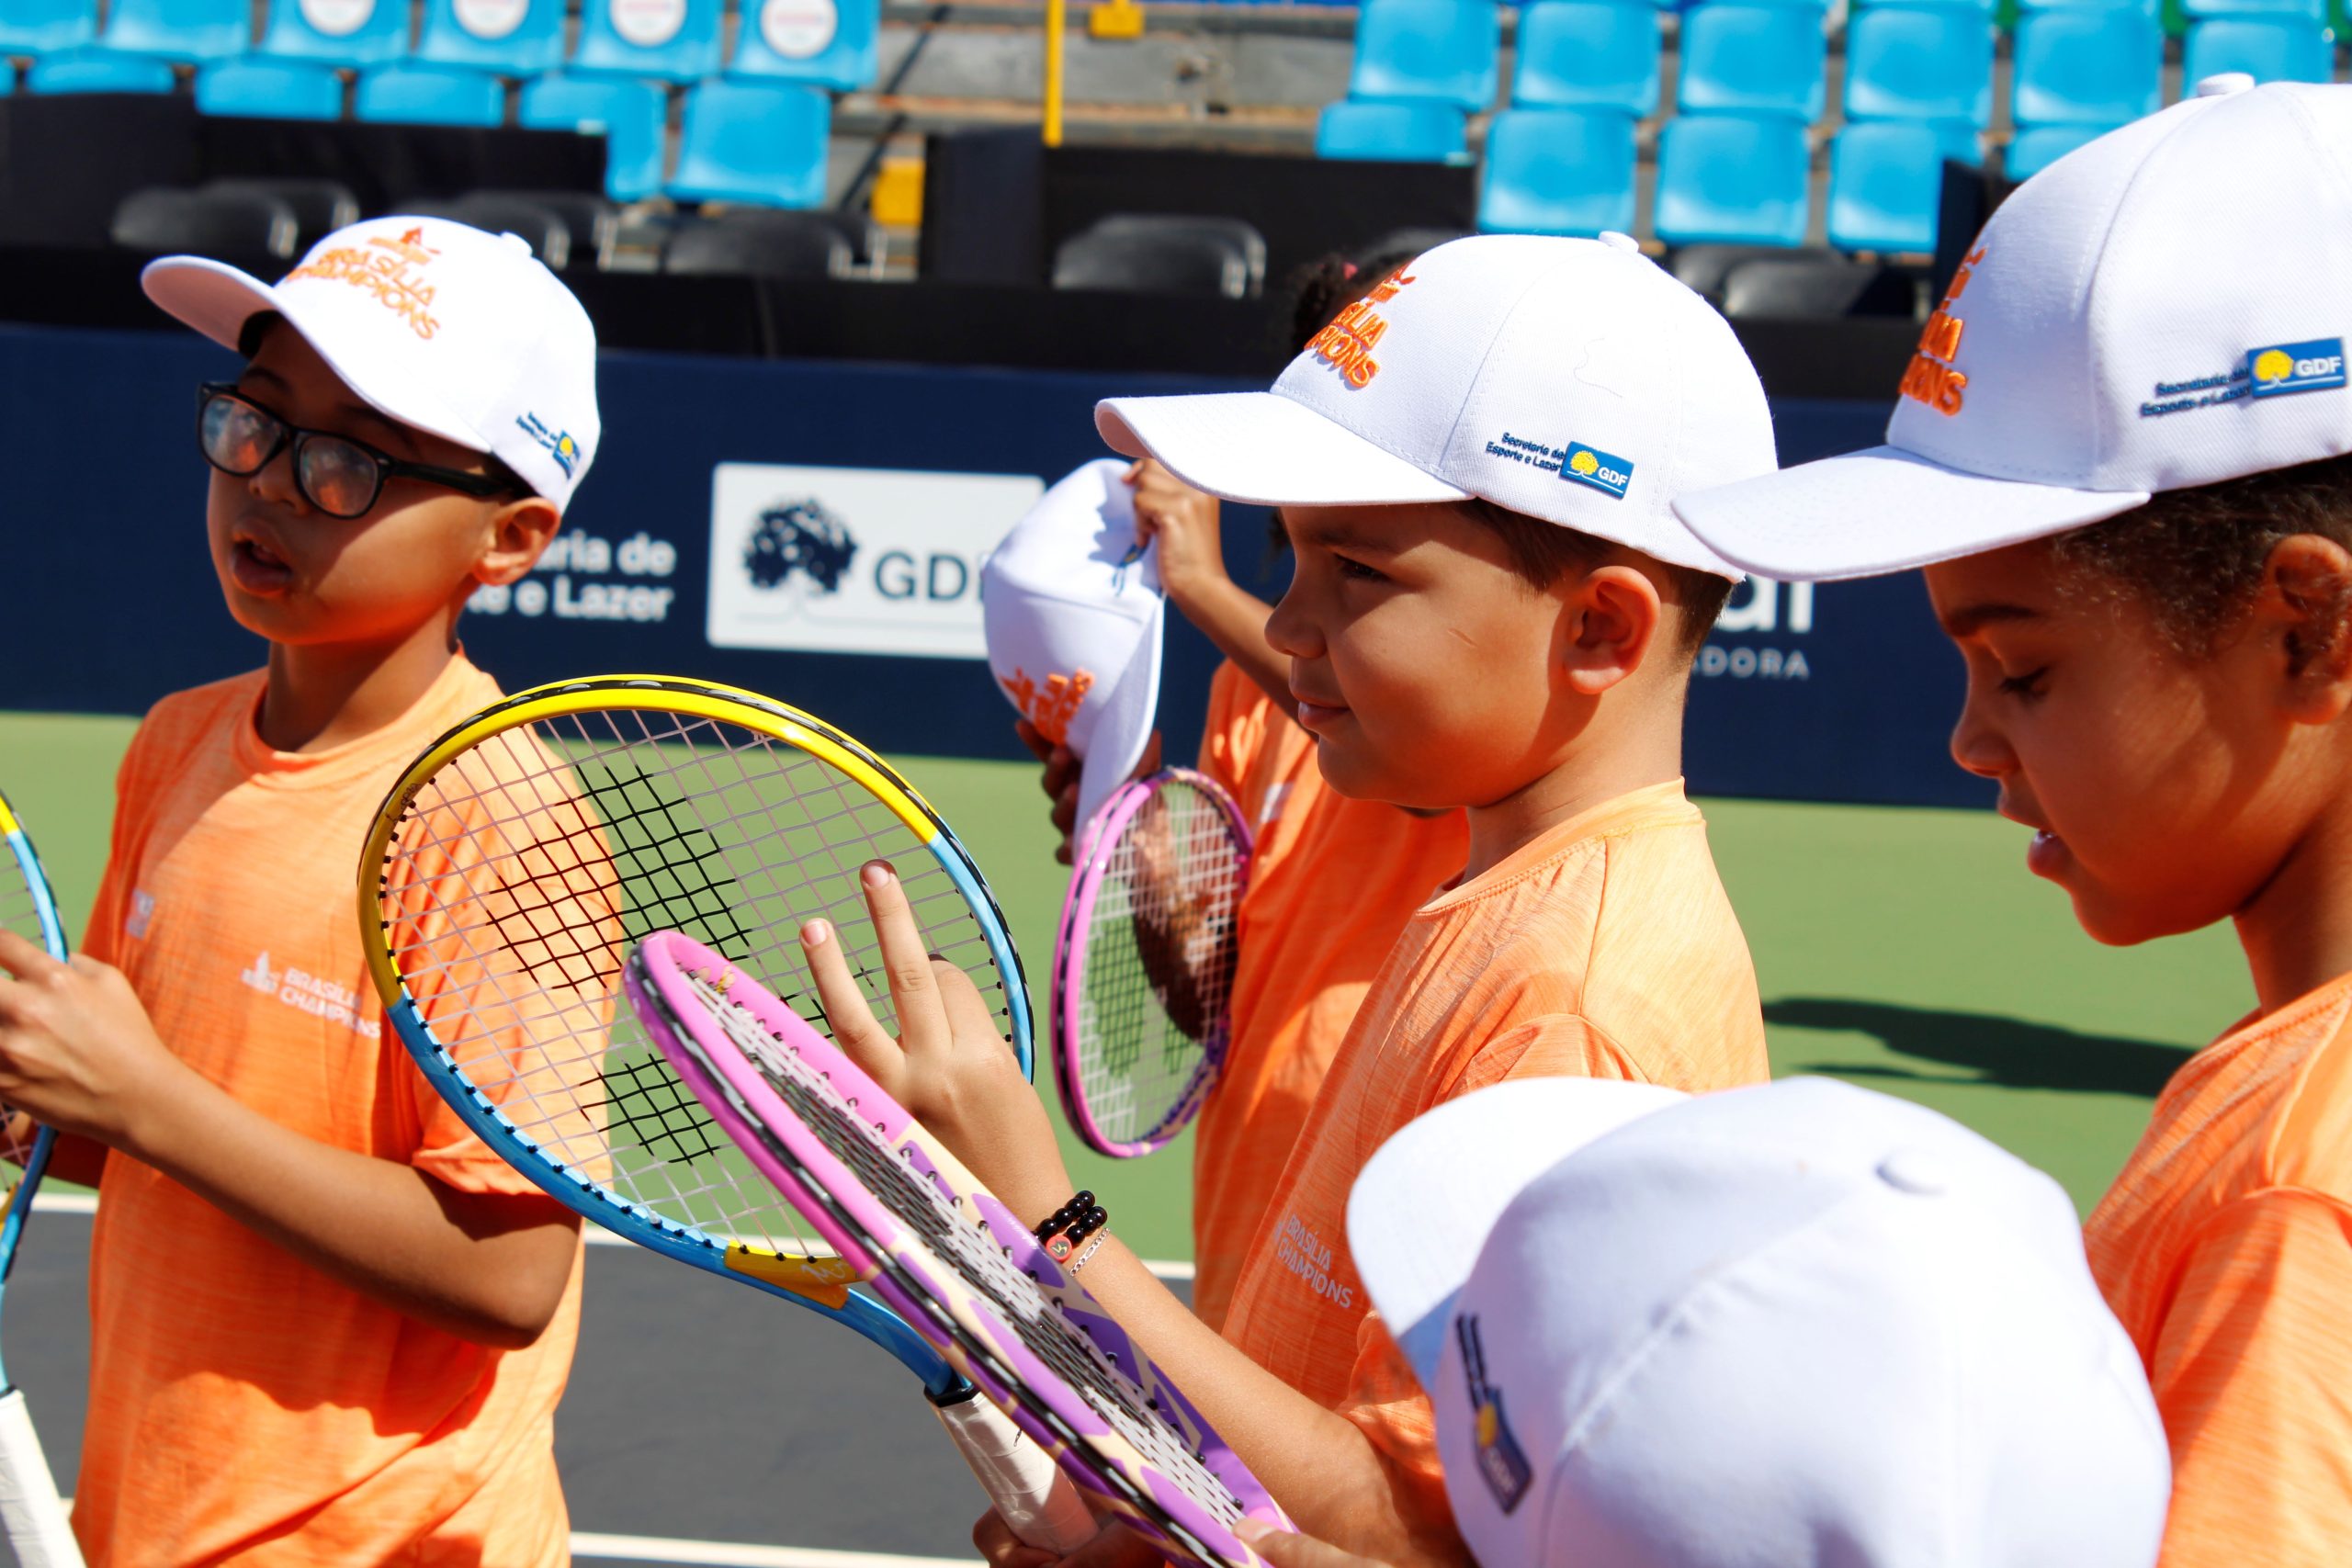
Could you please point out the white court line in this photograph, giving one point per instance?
(726, 1554)
(87, 1204)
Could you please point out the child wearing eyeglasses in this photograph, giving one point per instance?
(329, 1325)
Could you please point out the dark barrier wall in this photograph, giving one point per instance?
(1841, 692)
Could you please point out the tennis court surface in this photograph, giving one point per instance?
(1905, 949)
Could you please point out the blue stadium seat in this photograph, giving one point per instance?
(1559, 171)
(833, 44)
(430, 95)
(676, 40)
(1732, 179)
(1450, 51)
(1404, 133)
(2148, 8)
(762, 143)
(2309, 10)
(97, 71)
(2085, 67)
(630, 114)
(1920, 63)
(1740, 58)
(1588, 54)
(337, 32)
(1885, 179)
(512, 37)
(185, 30)
(2269, 49)
(37, 27)
(263, 88)
(2037, 147)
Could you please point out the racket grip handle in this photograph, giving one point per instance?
(1027, 1487)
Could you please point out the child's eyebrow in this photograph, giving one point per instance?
(345, 409)
(1970, 619)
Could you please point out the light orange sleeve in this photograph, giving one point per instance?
(102, 933)
(2253, 1374)
(1388, 1404)
(1553, 1046)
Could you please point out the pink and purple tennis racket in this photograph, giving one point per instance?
(911, 1224)
(1144, 959)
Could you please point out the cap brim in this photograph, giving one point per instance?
(1424, 1204)
(1879, 510)
(1264, 450)
(217, 299)
(1124, 732)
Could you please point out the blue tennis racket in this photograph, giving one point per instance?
(29, 1507)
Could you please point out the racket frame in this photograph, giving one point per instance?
(821, 1284)
(979, 1345)
(35, 1516)
(1072, 942)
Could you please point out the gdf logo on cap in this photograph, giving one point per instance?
(439, 326)
(1073, 613)
(1568, 379)
(2163, 308)
(1793, 1323)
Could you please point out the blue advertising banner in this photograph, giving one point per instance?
(814, 530)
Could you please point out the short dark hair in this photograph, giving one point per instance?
(1542, 553)
(257, 328)
(2195, 557)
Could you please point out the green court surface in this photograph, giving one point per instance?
(1905, 950)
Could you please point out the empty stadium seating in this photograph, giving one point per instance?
(1885, 177)
(258, 86)
(761, 142)
(233, 224)
(1440, 50)
(1587, 54)
(1737, 179)
(38, 27)
(1931, 63)
(1559, 171)
(833, 44)
(429, 95)
(747, 243)
(1424, 132)
(512, 37)
(674, 41)
(337, 32)
(2036, 147)
(630, 115)
(98, 70)
(185, 30)
(2268, 48)
(1741, 58)
(2093, 65)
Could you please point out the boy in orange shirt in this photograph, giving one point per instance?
(1493, 608)
(2124, 458)
(329, 1325)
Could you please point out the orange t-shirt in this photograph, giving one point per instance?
(242, 1404)
(1605, 948)
(1331, 884)
(2225, 1248)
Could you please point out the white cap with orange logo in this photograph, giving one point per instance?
(442, 327)
(1074, 616)
(2161, 308)
(1572, 380)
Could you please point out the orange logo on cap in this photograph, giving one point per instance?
(1347, 344)
(388, 268)
(1929, 378)
(1052, 706)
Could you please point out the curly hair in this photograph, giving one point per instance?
(2195, 557)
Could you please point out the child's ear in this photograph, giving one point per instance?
(519, 533)
(2305, 598)
(1609, 622)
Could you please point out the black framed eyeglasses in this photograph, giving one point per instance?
(341, 477)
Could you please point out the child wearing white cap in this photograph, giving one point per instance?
(1793, 1324)
(329, 1325)
(2124, 456)
(1493, 608)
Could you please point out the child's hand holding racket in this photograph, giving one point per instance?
(76, 1049)
(949, 1067)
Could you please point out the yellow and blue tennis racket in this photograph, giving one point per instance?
(29, 1507)
(519, 860)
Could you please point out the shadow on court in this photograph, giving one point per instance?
(2005, 1051)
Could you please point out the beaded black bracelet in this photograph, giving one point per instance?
(1072, 1223)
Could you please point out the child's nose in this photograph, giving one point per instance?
(1979, 746)
(1289, 632)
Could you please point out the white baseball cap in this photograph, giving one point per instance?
(1073, 613)
(2163, 308)
(1796, 1323)
(1571, 381)
(436, 325)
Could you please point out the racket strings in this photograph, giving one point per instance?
(22, 912)
(1162, 943)
(969, 1252)
(525, 868)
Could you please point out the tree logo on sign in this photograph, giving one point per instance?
(801, 538)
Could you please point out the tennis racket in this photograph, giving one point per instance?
(504, 878)
(906, 1216)
(1144, 959)
(29, 1507)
